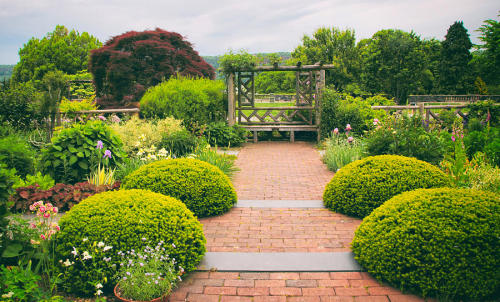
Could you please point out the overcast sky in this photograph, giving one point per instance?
(215, 26)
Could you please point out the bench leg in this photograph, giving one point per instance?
(292, 136)
(255, 136)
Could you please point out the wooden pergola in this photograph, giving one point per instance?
(304, 116)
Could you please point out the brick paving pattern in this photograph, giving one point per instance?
(286, 287)
(279, 230)
(280, 171)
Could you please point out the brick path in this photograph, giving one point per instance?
(282, 171)
(279, 230)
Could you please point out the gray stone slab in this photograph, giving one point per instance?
(279, 204)
(280, 262)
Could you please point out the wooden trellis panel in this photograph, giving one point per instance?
(246, 89)
(275, 115)
(305, 88)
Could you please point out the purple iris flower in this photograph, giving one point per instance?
(107, 154)
(99, 145)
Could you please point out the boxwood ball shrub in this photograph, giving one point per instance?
(125, 220)
(439, 243)
(204, 188)
(361, 186)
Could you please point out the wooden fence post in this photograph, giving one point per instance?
(230, 100)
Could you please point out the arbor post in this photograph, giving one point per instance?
(230, 100)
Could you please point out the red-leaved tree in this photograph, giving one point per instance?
(130, 63)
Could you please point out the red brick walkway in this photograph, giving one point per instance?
(279, 230)
(282, 171)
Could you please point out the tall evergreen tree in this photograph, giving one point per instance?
(455, 76)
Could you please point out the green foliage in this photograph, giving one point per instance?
(6, 182)
(64, 50)
(70, 155)
(79, 89)
(231, 61)
(454, 71)
(483, 176)
(220, 134)
(45, 182)
(70, 107)
(222, 161)
(362, 186)
(439, 243)
(20, 284)
(338, 110)
(202, 187)
(487, 141)
(23, 112)
(340, 152)
(180, 143)
(489, 58)
(394, 63)
(136, 133)
(191, 100)
(129, 165)
(275, 82)
(16, 153)
(332, 46)
(407, 136)
(485, 111)
(126, 220)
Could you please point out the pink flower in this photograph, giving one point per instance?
(350, 139)
(375, 121)
(453, 138)
(348, 127)
(46, 215)
(42, 209)
(55, 210)
(99, 145)
(58, 227)
(33, 226)
(43, 237)
(336, 131)
(102, 118)
(32, 208)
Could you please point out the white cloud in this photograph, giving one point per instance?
(218, 25)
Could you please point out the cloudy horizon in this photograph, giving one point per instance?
(214, 27)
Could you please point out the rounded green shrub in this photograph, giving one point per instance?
(361, 186)
(124, 220)
(70, 156)
(189, 99)
(204, 188)
(441, 243)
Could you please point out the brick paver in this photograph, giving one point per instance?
(280, 171)
(279, 230)
(287, 287)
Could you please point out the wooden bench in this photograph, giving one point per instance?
(290, 128)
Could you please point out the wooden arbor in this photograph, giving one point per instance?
(304, 116)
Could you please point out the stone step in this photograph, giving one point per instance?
(280, 262)
(279, 204)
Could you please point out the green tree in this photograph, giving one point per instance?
(331, 46)
(394, 63)
(488, 56)
(61, 49)
(455, 75)
(275, 82)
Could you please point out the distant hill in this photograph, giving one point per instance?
(6, 71)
